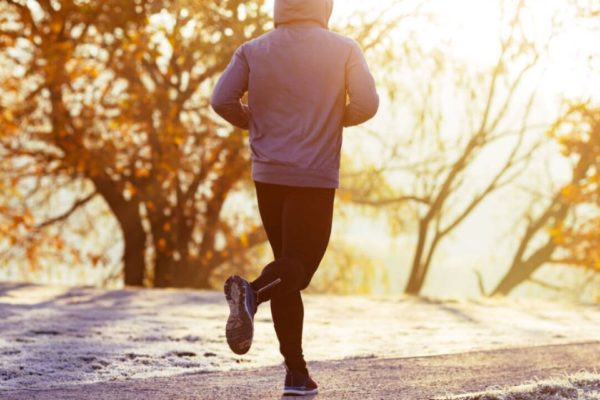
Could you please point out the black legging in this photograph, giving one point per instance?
(297, 221)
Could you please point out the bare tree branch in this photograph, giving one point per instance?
(78, 204)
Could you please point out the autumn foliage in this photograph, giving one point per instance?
(109, 99)
(579, 136)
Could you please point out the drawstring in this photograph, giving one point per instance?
(266, 287)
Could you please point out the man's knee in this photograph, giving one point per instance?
(305, 283)
(303, 273)
(291, 271)
(297, 273)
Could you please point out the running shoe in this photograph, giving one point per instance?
(242, 307)
(299, 383)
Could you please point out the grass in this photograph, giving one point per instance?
(579, 386)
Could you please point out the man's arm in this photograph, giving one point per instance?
(360, 86)
(227, 95)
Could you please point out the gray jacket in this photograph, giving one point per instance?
(305, 84)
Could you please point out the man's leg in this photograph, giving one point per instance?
(300, 217)
(307, 221)
(298, 225)
(270, 200)
(241, 295)
(283, 274)
(297, 221)
(288, 316)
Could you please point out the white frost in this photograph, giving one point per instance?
(56, 336)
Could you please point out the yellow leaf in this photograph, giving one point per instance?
(56, 26)
(58, 242)
(244, 240)
(142, 173)
(8, 115)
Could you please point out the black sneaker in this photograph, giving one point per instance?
(242, 307)
(299, 383)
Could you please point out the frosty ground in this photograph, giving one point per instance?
(55, 338)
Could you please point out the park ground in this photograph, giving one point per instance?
(60, 342)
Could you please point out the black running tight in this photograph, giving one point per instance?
(297, 221)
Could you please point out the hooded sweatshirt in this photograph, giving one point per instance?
(304, 84)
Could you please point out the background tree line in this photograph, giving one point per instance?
(106, 103)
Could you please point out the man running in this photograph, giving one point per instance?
(304, 84)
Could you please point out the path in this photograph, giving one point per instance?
(411, 378)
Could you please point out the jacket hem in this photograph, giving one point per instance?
(295, 176)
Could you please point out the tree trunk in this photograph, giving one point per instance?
(200, 277)
(128, 215)
(521, 270)
(415, 281)
(163, 270)
(517, 274)
(134, 254)
(192, 274)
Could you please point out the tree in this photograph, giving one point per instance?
(556, 235)
(437, 167)
(580, 240)
(112, 97)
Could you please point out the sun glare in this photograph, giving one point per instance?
(469, 27)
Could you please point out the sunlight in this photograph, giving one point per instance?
(473, 36)
(470, 27)
(433, 62)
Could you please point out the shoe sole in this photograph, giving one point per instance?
(300, 392)
(240, 327)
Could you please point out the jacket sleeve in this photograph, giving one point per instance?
(231, 87)
(360, 86)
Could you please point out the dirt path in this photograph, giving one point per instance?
(411, 378)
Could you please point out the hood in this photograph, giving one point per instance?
(288, 11)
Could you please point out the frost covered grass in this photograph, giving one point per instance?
(580, 386)
(54, 336)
